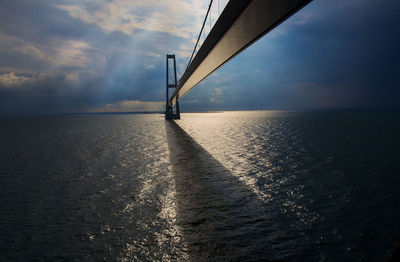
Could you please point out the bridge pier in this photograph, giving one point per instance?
(169, 110)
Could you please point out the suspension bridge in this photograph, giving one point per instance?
(241, 23)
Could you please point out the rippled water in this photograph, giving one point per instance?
(241, 186)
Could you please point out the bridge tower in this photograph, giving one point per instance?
(171, 83)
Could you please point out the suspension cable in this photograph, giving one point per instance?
(179, 71)
(202, 27)
(210, 20)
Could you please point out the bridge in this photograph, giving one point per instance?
(241, 23)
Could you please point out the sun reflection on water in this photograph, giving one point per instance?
(249, 145)
(162, 237)
(223, 135)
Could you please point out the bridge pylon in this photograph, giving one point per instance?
(171, 83)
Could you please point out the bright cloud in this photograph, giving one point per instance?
(31, 50)
(57, 52)
(10, 80)
(177, 17)
(72, 76)
(72, 53)
(131, 106)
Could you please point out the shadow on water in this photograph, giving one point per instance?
(220, 216)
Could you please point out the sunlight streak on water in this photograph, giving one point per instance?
(245, 142)
(157, 188)
(220, 135)
(237, 141)
(283, 157)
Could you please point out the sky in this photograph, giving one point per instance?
(68, 56)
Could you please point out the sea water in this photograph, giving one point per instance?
(225, 186)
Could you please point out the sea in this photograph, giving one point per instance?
(218, 186)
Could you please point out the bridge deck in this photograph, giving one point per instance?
(241, 24)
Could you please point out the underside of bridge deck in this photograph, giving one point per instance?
(241, 24)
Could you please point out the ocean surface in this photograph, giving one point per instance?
(228, 186)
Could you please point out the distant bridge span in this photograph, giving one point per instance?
(241, 23)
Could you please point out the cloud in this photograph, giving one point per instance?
(37, 81)
(72, 76)
(149, 66)
(71, 53)
(31, 50)
(154, 55)
(92, 53)
(218, 91)
(10, 80)
(57, 52)
(69, 56)
(178, 17)
(131, 106)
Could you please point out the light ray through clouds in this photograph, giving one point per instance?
(118, 48)
(80, 56)
(177, 17)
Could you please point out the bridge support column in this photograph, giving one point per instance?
(171, 83)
